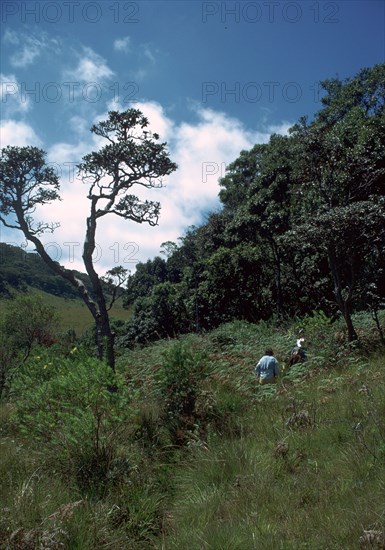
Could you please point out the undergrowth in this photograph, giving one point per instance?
(182, 449)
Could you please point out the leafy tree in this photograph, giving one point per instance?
(341, 177)
(146, 276)
(231, 287)
(257, 191)
(131, 157)
(240, 174)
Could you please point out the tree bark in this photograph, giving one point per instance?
(105, 336)
(343, 305)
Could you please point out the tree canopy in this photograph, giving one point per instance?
(302, 224)
(132, 156)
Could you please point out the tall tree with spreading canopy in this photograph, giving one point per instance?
(131, 156)
(341, 172)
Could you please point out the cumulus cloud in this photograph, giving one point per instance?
(18, 133)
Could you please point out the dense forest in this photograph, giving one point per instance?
(301, 228)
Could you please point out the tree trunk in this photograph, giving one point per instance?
(98, 310)
(378, 325)
(278, 283)
(57, 268)
(343, 305)
(105, 336)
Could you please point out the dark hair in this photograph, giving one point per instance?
(269, 351)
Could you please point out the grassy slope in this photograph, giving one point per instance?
(296, 465)
(73, 313)
(315, 484)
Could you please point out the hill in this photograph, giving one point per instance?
(22, 272)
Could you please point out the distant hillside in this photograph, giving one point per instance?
(20, 269)
(26, 272)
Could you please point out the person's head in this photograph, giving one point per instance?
(269, 351)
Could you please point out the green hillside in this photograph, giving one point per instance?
(22, 272)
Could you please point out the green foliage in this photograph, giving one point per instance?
(27, 322)
(179, 383)
(298, 477)
(30, 321)
(227, 290)
(190, 447)
(74, 405)
(20, 269)
(261, 256)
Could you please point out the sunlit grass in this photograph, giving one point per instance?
(321, 491)
(73, 313)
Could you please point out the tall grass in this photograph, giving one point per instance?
(311, 484)
(299, 464)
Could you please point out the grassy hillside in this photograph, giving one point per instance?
(192, 453)
(22, 272)
(72, 312)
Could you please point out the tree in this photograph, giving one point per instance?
(131, 156)
(341, 179)
(257, 191)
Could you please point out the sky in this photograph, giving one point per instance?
(213, 77)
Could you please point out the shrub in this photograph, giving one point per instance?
(182, 371)
(66, 403)
(27, 322)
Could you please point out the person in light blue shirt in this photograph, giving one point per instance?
(267, 369)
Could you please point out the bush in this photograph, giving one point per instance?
(27, 322)
(182, 371)
(67, 404)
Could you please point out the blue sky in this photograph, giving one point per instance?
(213, 78)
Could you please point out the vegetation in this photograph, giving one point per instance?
(177, 446)
(22, 270)
(131, 156)
(191, 452)
(261, 255)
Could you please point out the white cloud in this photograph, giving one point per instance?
(18, 133)
(122, 44)
(148, 54)
(11, 96)
(202, 148)
(91, 67)
(30, 47)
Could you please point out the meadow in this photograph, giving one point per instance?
(72, 312)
